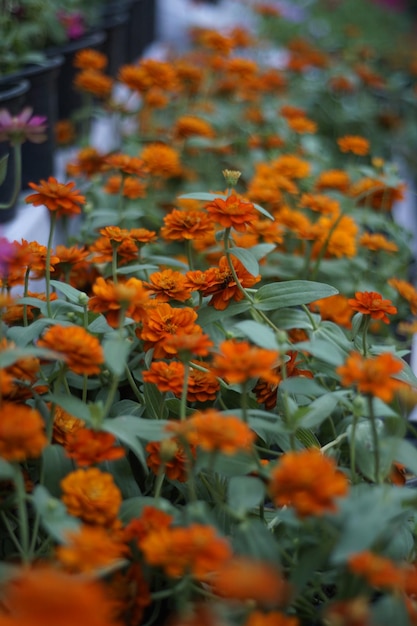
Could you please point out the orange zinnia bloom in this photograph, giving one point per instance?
(354, 143)
(302, 125)
(65, 425)
(372, 303)
(91, 495)
(22, 432)
(59, 198)
(377, 570)
(189, 345)
(243, 578)
(212, 431)
(407, 291)
(41, 595)
(238, 361)
(266, 391)
(130, 591)
(89, 58)
(273, 618)
(89, 162)
(163, 321)
(168, 285)
(191, 126)
(171, 456)
(372, 375)
(202, 386)
(333, 179)
(112, 298)
(81, 351)
(354, 612)
(219, 282)
(95, 82)
(308, 481)
(376, 241)
(376, 193)
(166, 376)
(232, 212)
(196, 549)
(87, 447)
(320, 203)
(184, 225)
(91, 548)
(161, 160)
(150, 520)
(335, 308)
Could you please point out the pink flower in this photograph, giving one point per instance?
(73, 23)
(22, 127)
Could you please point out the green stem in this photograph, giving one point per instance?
(375, 441)
(353, 451)
(324, 247)
(366, 323)
(17, 153)
(22, 513)
(244, 402)
(226, 241)
(25, 293)
(183, 401)
(159, 482)
(133, 385)
(48, 265)
(11, 532)
(115, 246)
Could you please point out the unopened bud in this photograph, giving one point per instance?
(231, 177)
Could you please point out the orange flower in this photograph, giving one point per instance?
(91, 548)
(91, 495)
(22, 432)
(130, 591)
(64, 132)
(163, 321)
(202, 386)
(65, 425)
(291, 166)
(94, 82)
(377, 570)
(232, 212)
(335, 308)
(302, 125)
(81, 351)
(355, 612)
(150, 520)
(353, 143)
(184, 225)
(376, 241)
(168, 285)
(243, 578)
(376, 193)
(407, 291)
(88, 58)
(191, 126)
(371, 303)
(161, 160)
(308, 481)
(270, 619)
(112, 298)
(337, 235)
(188, 345)
(333, 179)
(238, 361)
(266, 391)
(89, 162)
(59, 198)
(219, 282)
(320, 203)
(125, 163)
(212, 431)
(170, 456)
(197, 550)
(166, 376)
(37, 596)
(372, 375)
(88, 447)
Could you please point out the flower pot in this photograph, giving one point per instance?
(114, 21)
(69, 99)
(38, 159)
(12, 98)
(141, 27)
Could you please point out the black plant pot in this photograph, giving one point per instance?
(69, 99)
(115, 18)
(12, 98)
(38, 159)
(142, 27)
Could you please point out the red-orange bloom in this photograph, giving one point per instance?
(65, 425)
(372, 303)
(81, 351)
(212, 431)
(184, 225)
(407, 291)
(163, 321)
(151, 520)
(308, 481)
(377, 570)
(88, 447)
(232, 212)
(266, 391)
(40, 595)
(202, 386)
(238, 361)
(161, 160)
(91, 495)
(22, 432)
(168, 285)
(372, 375)
(170, 457)
(91, 548)
(273, 618)
(242, 578)
(166, 376)
(354, 143)
(112, 299)
(59, 198)
(188, 345)
(196, 549)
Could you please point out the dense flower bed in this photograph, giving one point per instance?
(204, 416)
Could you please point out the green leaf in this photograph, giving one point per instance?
(307, 438)
(259, 334)
(123, 429)
(25, 335)
(201, 195)
(132, 507)
(245, 493)
(247, 259)
(253, 539)
(3, 168)
(137, 267)
(7, 470)
(73, 295)
(53, 514)
(209, 314)
(404, 452)
(56, 466)
(116, 351)
(259, 208)
(320, 409)
(73, 405)
(99, 325)
(291, 293)
(155, 402)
